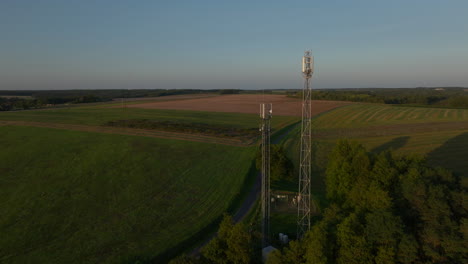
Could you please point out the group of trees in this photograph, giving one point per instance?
(385, 209)
(20, 103)
(281, 167)
(9, 104)
(233, 244)
(230, 91)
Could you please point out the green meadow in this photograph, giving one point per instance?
(81, 197)
(98, 115)
(365, 115)
(85, 197)
(439, 134)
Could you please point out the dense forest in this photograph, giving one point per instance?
(383, 208)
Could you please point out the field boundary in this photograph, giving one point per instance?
(133, 132)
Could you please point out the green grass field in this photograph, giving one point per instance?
(98, 115)
(365, 115)
(439, 134)
(80, 197)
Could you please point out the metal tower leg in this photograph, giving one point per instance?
(265, 114)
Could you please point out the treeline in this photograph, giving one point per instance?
(108, 94)
(438, 97)
(21, 103)
(9, 104)
(385, 209)
(23, 100)
(246, 134)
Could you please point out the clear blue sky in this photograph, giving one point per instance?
(231, 44)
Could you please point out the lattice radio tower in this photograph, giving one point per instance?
(303, 199)
(265, 114)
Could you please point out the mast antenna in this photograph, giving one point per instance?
(303, 199)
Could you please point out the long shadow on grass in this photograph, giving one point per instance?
(208, 231)
(452, 155)
(394, 144)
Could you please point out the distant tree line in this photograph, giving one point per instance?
(438, 97)
(23, 100)
(9, 104)
(385, 209)
(20, 103)
(434, 97)
(230, 91)
(108, 94)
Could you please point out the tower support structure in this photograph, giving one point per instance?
(265, 127)
(305, 168)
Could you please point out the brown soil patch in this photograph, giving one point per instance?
(243, 103)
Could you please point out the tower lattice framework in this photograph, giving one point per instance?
(265, 128)
(305, 168)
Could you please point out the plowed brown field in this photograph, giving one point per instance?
(243, 103)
